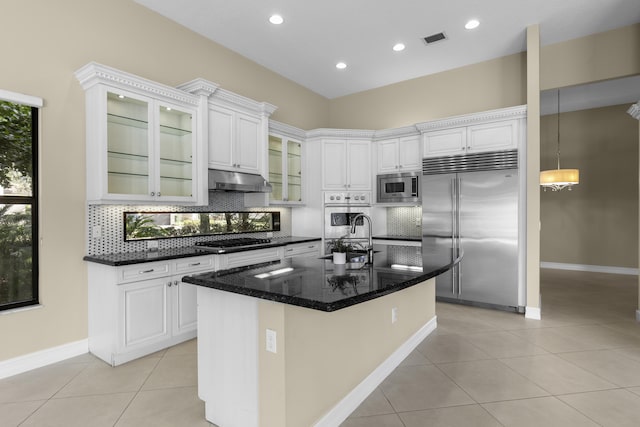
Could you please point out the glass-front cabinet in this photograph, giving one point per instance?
(150, 149)
(285, 170)
(142, 140)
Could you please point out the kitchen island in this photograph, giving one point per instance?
(303, 342)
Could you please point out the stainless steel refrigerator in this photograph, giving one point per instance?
(470, 203)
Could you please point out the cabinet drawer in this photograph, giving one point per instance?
(302, 249)
(144, 271)
(241, 259)
(188, 265)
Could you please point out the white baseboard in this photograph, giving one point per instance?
(351, 401)
(532, 313)
(590, 268)
(41, 358)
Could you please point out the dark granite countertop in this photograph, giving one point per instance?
(128, 258)
(394, 237)
(319, 284)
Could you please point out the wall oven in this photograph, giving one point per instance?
(339, 211)
(399, 188)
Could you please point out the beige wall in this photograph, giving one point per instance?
(484, 86)
(323, 356)
(601, 56)
(43, 43)
(596, 223)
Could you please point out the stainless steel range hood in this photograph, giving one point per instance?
(220, 180)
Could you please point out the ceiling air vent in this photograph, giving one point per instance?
(434, 38)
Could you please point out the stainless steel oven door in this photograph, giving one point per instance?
(337, 222)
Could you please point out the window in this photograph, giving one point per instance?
(18, 200)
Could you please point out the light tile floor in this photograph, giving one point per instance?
(579, 366)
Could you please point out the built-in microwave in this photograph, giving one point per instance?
(399, 188)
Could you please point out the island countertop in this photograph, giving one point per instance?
(319, 284)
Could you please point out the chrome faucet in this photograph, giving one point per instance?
(369, 248)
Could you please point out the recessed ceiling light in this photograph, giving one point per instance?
(471, 24)
(341, 65)
(276, 19)
(398, 47)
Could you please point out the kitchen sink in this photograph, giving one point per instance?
(353, 256)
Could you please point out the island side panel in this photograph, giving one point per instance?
(324, 356)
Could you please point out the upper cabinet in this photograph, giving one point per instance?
(142, 140)
(346, 164)
(399, 154)
(236, 140)
(487, 131)
(285, 164)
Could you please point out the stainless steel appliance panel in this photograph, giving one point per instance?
(488, 223)
(438, 201)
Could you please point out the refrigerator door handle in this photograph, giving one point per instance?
(458, 236)
(454, 231)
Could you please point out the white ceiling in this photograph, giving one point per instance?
(316, 35)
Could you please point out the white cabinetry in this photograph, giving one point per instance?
(474, 133)
(308, 249)
(399, 154)
(256, 256)
(143, 140)
(285, 164)
(346, 164)
(138, 309)
(236, 140)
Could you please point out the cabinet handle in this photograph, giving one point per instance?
(158, 194)
(193, 264)
(289, 250)
(169, 284)
(153, 193)
(146, 271)
(311, 247)
(176, 282)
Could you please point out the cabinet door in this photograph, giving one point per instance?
(248, 147)
(334, 165)
(185, 308)
(493, 136)
(221, 133)
(128, 146)
(359, 165)
(445, 142)
(276, 168)
(409, 153)
(145, 312)
(388, 156)
(176, 145)
(294, 171)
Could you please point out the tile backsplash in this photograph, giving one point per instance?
(404, 221)
(108, 219)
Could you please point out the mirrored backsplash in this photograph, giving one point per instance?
(106, 231)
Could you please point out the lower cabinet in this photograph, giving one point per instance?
(309, 249)
(139, 309)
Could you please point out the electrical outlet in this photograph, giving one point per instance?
(271, 341)
(394, 315)
(152, 245)
(96, 231)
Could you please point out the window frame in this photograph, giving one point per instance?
(36, 104)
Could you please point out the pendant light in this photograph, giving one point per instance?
(557, 179)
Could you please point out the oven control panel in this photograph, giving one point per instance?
(348, 198)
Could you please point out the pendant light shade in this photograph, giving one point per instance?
(557, 179)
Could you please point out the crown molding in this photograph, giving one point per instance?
(634, 110)
(231, 99)
(518, 112)
(340, 133)
(199, 87)
(286, 130)
(396, 133)
(94, 73)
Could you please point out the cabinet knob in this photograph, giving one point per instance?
(153, 193)
(169, 284)
(176, 282)
(158, 194)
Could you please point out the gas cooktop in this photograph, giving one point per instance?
(221, 245)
